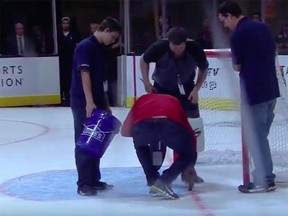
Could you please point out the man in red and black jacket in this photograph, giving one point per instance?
(157, 121)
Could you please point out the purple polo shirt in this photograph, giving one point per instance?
(253, 48)
(89, 55)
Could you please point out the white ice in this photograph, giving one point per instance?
(37, 161)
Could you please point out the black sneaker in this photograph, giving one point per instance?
(86, 191)
(252, 188)
(163, 190)
(271, 187)
(102, 186)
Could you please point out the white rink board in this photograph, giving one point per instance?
(222, 81)
(35, 76)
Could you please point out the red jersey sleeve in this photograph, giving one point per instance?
(127, 126)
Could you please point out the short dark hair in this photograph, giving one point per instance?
(229, 7)
(94, 22)
(256, 14)
(177, 35)
(17, 22)
(111, 23)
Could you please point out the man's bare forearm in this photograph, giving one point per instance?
(200, 79)
(237, 68)
(144, 70)
(86, 82)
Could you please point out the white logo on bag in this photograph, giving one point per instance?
(197, 132)
(96, 134)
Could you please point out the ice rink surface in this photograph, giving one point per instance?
(38, 176)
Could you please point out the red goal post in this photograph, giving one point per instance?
(219, 107)
(221, 115)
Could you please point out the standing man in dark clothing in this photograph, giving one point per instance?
(20, 44)
(43, 43)
(253, 53)
(176, 62)
(89, 92)
(67, 42)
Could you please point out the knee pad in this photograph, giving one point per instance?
(198, 127)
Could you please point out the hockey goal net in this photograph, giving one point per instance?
(219, 102)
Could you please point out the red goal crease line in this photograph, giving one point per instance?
(226, 53)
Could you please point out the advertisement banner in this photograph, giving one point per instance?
(222, 81)
(220, 90)
(25, 81)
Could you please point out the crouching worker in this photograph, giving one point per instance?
(157, 121)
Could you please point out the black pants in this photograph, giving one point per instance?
(170, 134)
(192, 110)
(145, 157)
(88, 168)
(65, 80)
(112, 92)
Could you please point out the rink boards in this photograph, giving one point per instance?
(220, 90)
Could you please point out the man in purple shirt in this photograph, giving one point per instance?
(253, 51)
(89, 92)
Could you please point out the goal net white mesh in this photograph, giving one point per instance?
(219, 102)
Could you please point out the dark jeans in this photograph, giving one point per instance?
(65, 81)
(112, 93)
(192, 110)
(88, 168)
(256, 122)
(169, 134)
(145, 157)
